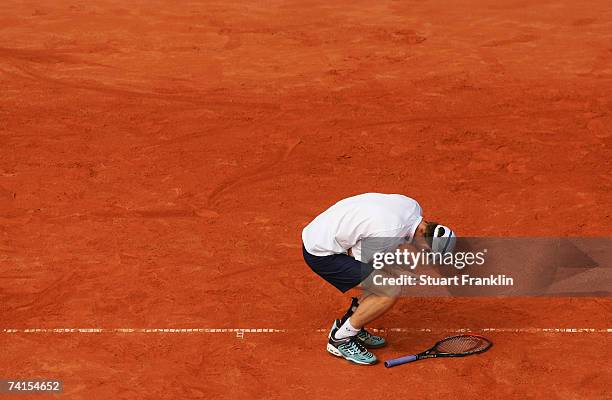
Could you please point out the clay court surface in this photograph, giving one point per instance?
(158, 162)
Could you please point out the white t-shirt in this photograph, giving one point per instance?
(344, 225)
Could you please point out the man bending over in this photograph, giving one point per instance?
(334, 248)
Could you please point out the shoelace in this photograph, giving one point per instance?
(354, 347)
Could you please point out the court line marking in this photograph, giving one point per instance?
(239, 332)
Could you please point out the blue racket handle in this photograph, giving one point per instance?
(399, 361)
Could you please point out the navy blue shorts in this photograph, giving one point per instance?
(341, 270)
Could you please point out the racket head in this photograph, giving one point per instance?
(461, 346)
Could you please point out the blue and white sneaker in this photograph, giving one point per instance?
(366, 338)
(349, 348)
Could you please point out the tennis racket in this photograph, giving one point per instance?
(454, 346)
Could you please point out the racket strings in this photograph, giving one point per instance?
(462, 345)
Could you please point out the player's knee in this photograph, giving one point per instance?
(390, 293)
(386, 302)
(395, 293)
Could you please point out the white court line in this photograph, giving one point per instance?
(239, 332)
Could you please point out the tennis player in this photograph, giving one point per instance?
(334, 248)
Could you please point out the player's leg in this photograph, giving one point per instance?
(371, 308)
(352, 328)
(366, 338)
(344, 273)
(374, 301)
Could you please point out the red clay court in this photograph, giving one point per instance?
(159, 159)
